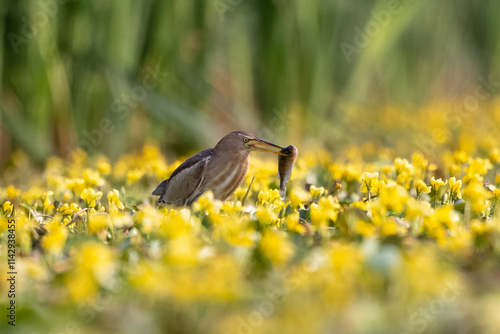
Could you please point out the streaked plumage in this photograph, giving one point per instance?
(220, 169)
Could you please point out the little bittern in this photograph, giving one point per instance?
(220, 169)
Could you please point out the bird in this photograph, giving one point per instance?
(220, 169)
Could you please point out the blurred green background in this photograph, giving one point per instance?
(107, 75)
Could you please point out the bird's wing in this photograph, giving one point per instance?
(186, 181)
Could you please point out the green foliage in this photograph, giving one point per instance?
(275, 67)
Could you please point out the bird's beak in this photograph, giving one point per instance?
(264, 146)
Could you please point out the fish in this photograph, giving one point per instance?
(285, 165)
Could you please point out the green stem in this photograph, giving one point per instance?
(248, 191)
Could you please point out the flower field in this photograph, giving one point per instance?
(359, 245)
(390, 221)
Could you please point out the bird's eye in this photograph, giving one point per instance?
(246, 140)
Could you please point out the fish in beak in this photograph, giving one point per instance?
(258, 144)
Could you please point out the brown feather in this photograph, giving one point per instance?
(184, 184)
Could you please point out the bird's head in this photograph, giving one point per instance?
(246, 142)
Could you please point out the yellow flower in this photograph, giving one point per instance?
(98, 222)
(12, 192)
(104, 167)
(7, 208)
(151, 277)
(480, 228)
(4, 224)
(175, 223)
(389, 228)
(495, 155)
(275, 246)
(368, 181)
(387, 170)
(436, 184)
(478, 166)
(421, 188)
(231, 207)
(417, 209)
(183, 250)
(47, 206)
(159, 169)
(394, 197)
(455, 186)
(447, 216)
(419, 161)
(114, 198)
(454, 169)
(280, 205)
(235, 231)
(134, 175)
(93, 210)
(47, 201)
(460, 157)
(24, 227)
(67, 196)
(380, 187)
(473, 178)
(330, 207)
(54, 181)
(120, 219)
(267, 215)
(90, 196)
(299, 196)
(346, 259)
(91, 178)
(240, 193)
(68, 210)
(269, 196)
(75, 185)
(55, 239)
(319, 217)
(94, 266)
(363, 205)
(149, 219)
(351, 173)
(365, 229)
(32, 195)
(477, 195)
(206, 202)
(317, 191)
(404, 179)
(444, 218)
(293, 223)
(432, 167)
(403, 166)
